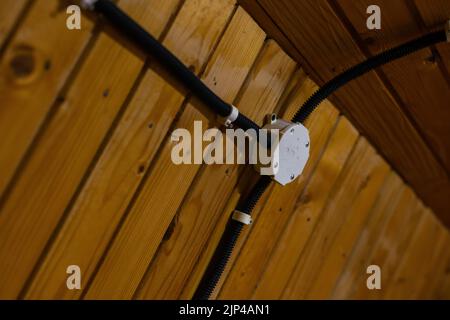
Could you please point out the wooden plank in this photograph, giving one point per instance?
(421, 86)
(391, 244)
(357, 263)
(434, 15)
(442, 290)
(121, 167)
(336, 257)
(422, 251)
(209, 194)
(280, 200)
(260, 16)
(246, 181)
(137, 240)
(56, 167)
(33, 73)
(315, 30)
(305, 215)
(10, 11)
(435, 269)
(362, 168)
(292, 97)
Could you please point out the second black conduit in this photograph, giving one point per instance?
(133, 31)
(233, 229)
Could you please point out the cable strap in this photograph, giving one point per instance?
(242, 217)
(228, 120)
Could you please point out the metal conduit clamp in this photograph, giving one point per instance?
(228, 120)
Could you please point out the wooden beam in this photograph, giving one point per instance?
(328, 48)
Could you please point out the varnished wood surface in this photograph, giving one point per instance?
(402, 107)
(87, 177)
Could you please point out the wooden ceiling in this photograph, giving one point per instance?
(402, 108)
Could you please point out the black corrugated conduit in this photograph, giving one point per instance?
(358, 70)
(229, 238)
(233, 229)
(130, 29)
(148, 44)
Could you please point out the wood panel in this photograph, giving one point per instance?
(93, 183)
(142, 232)
(263, 234)
(435, 269)
(107, 193)
(431, 17)
(392, 243)
(10, 11)
(375, 105)
(425, 248)
(54, 170)
(306, 214)
(442, 290)
(33, 75)
(212, 187)
(362, 170)
(357, 262)
(409, 73)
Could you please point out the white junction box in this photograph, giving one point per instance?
(292, 149)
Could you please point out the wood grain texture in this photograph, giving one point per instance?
(424, 249)
(134, 144)
(56, 167)
(214, 184)
(32, 76)
(354, 271)
(315, 30)
(338, 253)
(392, 243)
(305, 215)
(432, 17)
(361, 170)
(93, 183)
(10, 11)
(266, 229)
(406, 75)
(160, 197)
(244, 184)
(442, 290)
(435, 269)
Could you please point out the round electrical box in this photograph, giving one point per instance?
(290, 154)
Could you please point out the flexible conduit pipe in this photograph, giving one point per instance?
(130, 29)
(147, 43)
(233, 229)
